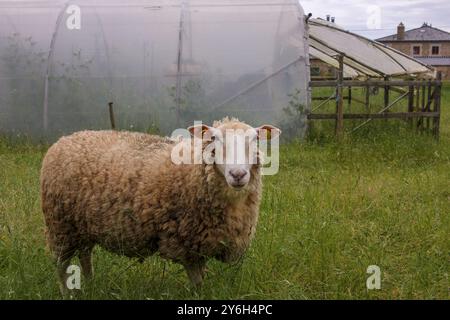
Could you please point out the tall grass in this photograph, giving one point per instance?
(380, 197)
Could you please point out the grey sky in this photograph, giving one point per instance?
(354, 14)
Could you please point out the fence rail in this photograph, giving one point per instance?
(423, 101)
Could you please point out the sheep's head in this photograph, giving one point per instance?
(232, 146)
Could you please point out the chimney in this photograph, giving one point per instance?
(401, 32)
(328, 17)
(333, 19)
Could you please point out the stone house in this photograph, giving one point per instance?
(427, 44)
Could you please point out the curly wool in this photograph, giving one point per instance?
(120, 190)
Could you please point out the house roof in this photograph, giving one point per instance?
(424, 33)
(435, 61)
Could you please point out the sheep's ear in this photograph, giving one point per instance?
(199, 131)
(267, 132)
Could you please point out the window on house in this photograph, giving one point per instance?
(435, 50)
(416, 50)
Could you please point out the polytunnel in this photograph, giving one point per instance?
(163, 64)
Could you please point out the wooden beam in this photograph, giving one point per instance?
(411, 102)
(372, 83)
(390, 115)
(423, 103)
(429, 101)
(386, 91)
(384, 110)
(339, 99)
(322, 98)
(111, 116)
(367, 102)
(437, 105)
(398, 90)
(350, 97)
(328, 98)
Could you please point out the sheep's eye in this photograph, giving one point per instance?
(217, 138)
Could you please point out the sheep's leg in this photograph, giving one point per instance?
(196, 273)
(85, 257)
(62, 264)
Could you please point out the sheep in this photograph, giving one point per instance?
(122, 191)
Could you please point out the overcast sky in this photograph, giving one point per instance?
(361, 16)
(373, 18)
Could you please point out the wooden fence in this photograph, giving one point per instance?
(423, 97)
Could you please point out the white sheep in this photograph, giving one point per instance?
(123, 191)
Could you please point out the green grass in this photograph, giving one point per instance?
(381, 197)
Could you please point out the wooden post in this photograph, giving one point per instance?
(417, 106)
(350, 98)
(437, 105)
(428, 108)
(111, 116)
(340, 99)
(386, 92)
(411, 103)
(368, 99)
(423, 106)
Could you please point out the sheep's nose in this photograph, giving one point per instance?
(238, 174)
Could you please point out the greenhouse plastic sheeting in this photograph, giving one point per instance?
(349, 72)
(164, 64)
(363, 58)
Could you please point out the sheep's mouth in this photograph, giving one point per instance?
(238, 186)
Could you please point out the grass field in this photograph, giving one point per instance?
(381, 197)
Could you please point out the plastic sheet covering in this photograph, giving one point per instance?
(363, 58)
(349, 72)
(164, 64)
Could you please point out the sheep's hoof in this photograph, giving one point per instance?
(196, 273)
